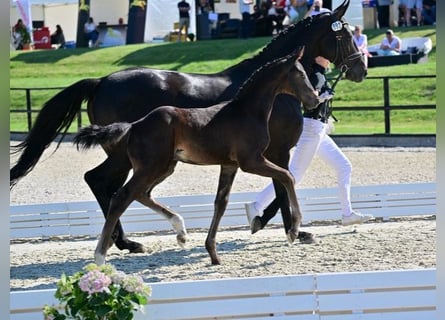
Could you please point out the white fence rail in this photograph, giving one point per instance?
(85, 218)
(382, 295)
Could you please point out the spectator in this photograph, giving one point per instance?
(21, 35)
(204, 7)
(429, 12)
(383, 13)
(413, 5)
(316, 8)
(273, 16)
(292, 15)
(361, 40)
(261, 22)
(91, 33)
(301, 6)
(184, 17)
(391, 45)
(57, 38)
(244, 8)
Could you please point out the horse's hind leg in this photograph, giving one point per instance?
(278, 153)
(226, 177)
(104, 181)
(118, 204)
(174, 218)
(264, 167)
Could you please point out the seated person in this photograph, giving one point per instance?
(91, 32)
(57, 38)
(391, 45)
(361, 40)
(429, 12)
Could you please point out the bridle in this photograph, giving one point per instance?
(345, 63)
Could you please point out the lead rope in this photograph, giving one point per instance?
(340, 75)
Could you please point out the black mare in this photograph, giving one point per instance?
(231, 134)
(128, 95)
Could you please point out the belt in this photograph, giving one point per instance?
(316, 117)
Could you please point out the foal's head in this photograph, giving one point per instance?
(297, 83)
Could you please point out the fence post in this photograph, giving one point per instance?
(28, 108)
(386, 105)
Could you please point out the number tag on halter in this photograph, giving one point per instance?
(337, 26)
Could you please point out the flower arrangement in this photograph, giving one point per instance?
(98, 293)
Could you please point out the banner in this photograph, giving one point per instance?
(24, 10)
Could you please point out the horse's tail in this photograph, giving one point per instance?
(94, 135)
(55, 117)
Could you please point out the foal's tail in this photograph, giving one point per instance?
(94, 135)
(54, 118)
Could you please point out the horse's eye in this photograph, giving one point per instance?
(337, 26)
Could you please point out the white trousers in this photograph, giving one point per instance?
(313, 141)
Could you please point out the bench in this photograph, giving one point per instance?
(389, 295)
(317, 204)
(412, 50)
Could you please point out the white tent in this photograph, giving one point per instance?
(65, 13)
(161, 14)
(52, 12)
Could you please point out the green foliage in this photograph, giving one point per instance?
(98, 293)
(64, 67)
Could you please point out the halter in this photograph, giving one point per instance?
(337, 26)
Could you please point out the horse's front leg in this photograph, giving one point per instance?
(226, 177)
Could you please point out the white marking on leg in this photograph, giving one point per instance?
(178, 225)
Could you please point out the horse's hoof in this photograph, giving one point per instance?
(216, 261)
(255, 225)
(182, 239)
(131, 246)
(291, 236)
(99, 259)
(306, 237)
(139, 248)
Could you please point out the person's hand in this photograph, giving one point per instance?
(327, 94)
(325, 63)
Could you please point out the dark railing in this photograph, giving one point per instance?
(386, 108)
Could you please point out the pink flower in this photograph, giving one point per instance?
(94, 281)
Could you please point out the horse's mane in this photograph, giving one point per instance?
(281, 40)
(247, 86)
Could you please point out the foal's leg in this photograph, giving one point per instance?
(226, 177)
(118, 204)
(264, 167)
(174, 218)
(104, 181)
(279, 155)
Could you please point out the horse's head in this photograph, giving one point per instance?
(297, 82)
(336, 44)
(329, 36)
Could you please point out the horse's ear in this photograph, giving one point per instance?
(341, 10)
(299, 52)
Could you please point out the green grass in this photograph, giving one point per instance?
(59, 68)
